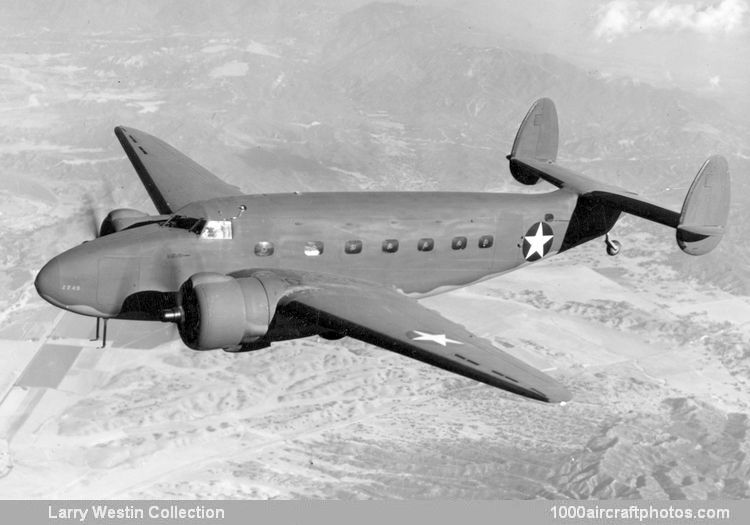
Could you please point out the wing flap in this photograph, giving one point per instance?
(398, 323)
(172, 180)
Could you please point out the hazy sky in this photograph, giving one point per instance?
(698, 45)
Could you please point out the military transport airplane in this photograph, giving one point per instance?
(239, 272)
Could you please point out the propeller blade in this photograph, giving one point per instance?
(93, 216)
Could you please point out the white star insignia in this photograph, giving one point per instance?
(537, 242)
(440, 339)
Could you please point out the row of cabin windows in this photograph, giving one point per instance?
(315, 248)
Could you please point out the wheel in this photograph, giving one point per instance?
(613, 248)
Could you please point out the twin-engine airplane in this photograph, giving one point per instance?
(239, 272)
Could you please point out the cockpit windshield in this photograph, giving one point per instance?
(183, 223)
(207, 229)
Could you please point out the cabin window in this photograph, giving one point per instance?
(425, 245)
(264, 249)
(313, 248)
(217, 230)
(459, 243)
(352, 247)
(390, 245)
(486, 241)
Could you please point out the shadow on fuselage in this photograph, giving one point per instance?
(590, 219)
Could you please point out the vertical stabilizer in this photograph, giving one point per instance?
(536, 138)
(706, 208)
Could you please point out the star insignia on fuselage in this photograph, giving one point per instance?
(537, 241)
(441, 339)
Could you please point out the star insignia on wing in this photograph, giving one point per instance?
(441, 339)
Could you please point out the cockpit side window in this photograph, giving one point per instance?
(207, 229)
(217, 230)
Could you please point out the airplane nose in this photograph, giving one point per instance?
(47, 281)
(70, 281)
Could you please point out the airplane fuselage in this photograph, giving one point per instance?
(376, 236)
(421, 243)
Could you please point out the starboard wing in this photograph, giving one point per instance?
(393, 321)
(172, 180)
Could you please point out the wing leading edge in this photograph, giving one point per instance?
(172, 180)
(399, 323)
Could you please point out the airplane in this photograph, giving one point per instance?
(239, 272)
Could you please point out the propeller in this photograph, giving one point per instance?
(93, 215)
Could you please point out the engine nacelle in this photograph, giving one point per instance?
(118, 220)
(219, 311)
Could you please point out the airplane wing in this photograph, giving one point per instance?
(171, 178)
(393, 321)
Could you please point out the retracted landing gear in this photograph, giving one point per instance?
(613, 246)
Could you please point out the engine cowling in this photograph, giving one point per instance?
(118, 220)
(219, 311)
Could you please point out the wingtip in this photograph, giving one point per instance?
(560, 396)
(551, 392)
(555, 392)
(563, 397)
